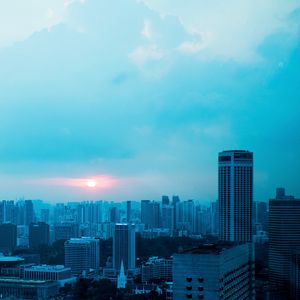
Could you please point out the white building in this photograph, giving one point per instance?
(82, 255)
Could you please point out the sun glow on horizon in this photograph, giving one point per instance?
(91, 183)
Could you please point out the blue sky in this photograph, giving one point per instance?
(144, 94)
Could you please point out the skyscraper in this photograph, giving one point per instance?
(150, 214)
(284, 238)
(28, 212)
(8, 237)
(124, 246)
(235, 195)
(128, 211)
(39, 234)
(66, 231)
(82, 254)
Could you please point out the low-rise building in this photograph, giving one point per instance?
(157, 268)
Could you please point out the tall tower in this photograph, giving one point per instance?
(235, 195)
(124, 246)
(284, 239)
(128, 211)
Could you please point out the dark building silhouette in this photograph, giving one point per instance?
(284, 239)
(236, 195)
(165, 200)
(175, 203)
(38, 234)
(114, 215)
(28, 212)
(8, 237)
(124, 246)
(150, 214)
(295, 275)
(66, 231)
(128, 211)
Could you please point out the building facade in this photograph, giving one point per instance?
(8, 237)
(39, 234)
(124, 247)
(214, 271)
(82, 255)
(235, 195)
(284, 239)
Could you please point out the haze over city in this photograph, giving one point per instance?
(123, 100)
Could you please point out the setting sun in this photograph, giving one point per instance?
(91, 183)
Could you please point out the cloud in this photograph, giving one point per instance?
(77, 104)
(230, 29)
(142, 55)
(21, 19)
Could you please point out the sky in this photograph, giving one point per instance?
(133, 99)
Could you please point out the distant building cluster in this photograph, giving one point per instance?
(247, 249)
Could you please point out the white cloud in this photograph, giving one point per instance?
(143, 54)
(20, 19)
(230, 29)
(147, 31)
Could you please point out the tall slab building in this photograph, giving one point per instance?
(235, 195)
(284, 241)
(124, 246)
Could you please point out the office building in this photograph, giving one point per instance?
(124, 247)
(284, 239)
(150, 214)
(157, 269)
(295, 275)
(214, 271)
(39, 234)
(114, 215)
(29, 216)
(167, 217)
(82, 255)
(16, 288)
(66, 231)
(128, 211)
(47, 272)
(235, 195)
(8, 237)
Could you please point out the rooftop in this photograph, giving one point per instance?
(211, 248)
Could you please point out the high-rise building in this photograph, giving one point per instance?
(124, 247)
(167, 217)
(150, 214)
(214, 271)
(235, 195)
(8, 237)
(284, 238)
(28, 212)
(175, 203)
(66, 231)
(45, 215)
(39, 234)
(128, 211)
(114, 215)
(82, 255)
(165, 200)
(295, 275)
(261, 214)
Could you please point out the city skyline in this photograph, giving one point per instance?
(143, 109)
